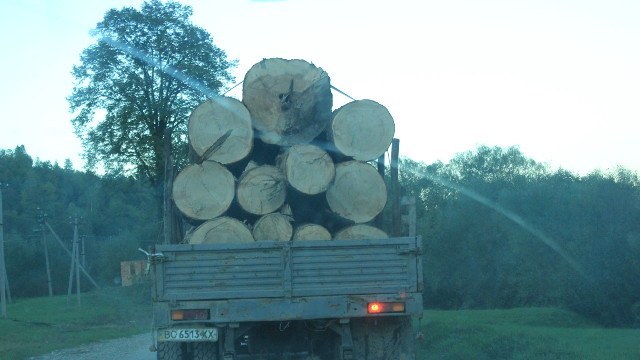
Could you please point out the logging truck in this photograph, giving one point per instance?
(287, 258)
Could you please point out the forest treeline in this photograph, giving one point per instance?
(500, 230)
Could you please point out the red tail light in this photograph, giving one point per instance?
(374, 308)
(385, 307)
(190, 314)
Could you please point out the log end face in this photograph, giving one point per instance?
(203, 191)
(289, 101)
(221, 130)
(222, 230)
(358, 192)
(362, 129)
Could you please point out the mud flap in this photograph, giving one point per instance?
(383, 338)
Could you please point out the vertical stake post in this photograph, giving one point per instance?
(381, 166)
(395, 188)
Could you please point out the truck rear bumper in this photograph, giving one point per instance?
(287, 309)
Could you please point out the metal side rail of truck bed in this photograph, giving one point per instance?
(281, 281)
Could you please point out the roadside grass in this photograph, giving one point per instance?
(525, 333)
(40, 325)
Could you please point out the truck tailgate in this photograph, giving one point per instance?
(270, 269)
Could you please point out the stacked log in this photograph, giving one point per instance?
(306, 173)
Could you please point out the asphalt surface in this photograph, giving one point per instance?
(129, 348)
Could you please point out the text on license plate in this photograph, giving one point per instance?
(202, 334)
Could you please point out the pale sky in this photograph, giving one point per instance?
(558, 78)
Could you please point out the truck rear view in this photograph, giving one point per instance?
(331, 299)
(284, 259)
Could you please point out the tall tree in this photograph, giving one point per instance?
(135, 87)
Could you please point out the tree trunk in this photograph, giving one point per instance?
(220, 130)
(362, 129)
(261, 190)
(311, 232)
(274, 226)
(358, 192)
(220, 231)
(204, 191)
(308, 168)
(289, 100)
(360, 231)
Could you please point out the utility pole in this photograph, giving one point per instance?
(55, 236)
(75, 264)
(41, 217)
(3, 273)
(84, 254)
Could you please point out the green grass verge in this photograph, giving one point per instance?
(40, 325)
(527, 333)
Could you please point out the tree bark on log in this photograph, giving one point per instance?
(261, 190)
(220, 129)
(358, 193)
(289, 101)
(307, 168)
(274, 226)
(359, 232)
(362, 129)
(311, 232)
(204, 191)
(220, 231)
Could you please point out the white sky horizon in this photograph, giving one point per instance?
(558, 79)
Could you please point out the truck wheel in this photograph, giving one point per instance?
(169, 350)
(205, 351)
(383, 338)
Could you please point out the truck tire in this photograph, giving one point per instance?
(169, 350)
(205, 351)
(383, 338)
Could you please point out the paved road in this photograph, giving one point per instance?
(130, 348)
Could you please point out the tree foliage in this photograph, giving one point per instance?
(117, 215)
(501, 230)
(135, 87)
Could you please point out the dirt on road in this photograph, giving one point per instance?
(129, 348)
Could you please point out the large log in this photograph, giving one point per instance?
(311, 232)
(359, 232)
(307, 168)
(358, 192)
(290, 101)
(220, 129)
(203, 191)
(219, 231)
(261, 190)
(362, 129)
(274, 226)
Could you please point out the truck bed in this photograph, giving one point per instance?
(327, 277)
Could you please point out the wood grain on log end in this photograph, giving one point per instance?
(289, 101)
(362, 129)
(358, 192)
(274, 226)
(221, 230)
(360, 232)
(220, 129)
(261, 190)
(204, 191)
(311, 232)
(308, 168)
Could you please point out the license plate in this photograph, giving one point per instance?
(201, 334)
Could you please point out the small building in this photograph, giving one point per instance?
(132, 272)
